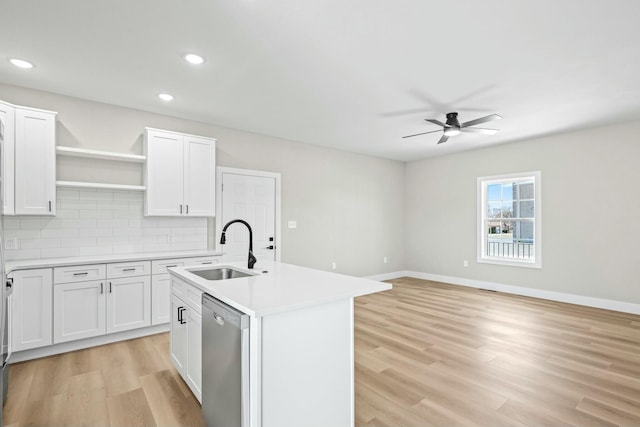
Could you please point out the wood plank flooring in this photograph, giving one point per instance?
(129, 383)
(431, 354)
(427, 354)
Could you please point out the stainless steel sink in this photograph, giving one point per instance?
(220, 273)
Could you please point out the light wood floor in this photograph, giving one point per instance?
(427, 354)
(430, 354)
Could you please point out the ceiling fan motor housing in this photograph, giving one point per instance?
(452, 120)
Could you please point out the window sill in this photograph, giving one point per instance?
(510, 262)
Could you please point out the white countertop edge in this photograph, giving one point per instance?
(372, 287)
(27, 264)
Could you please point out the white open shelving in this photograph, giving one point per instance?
(100, 155)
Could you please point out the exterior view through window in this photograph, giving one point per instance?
(509, 222)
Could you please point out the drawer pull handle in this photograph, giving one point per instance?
(129, 269)
(172, 265)
(207, 262)
(84, 273)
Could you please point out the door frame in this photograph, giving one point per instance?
(220, 170)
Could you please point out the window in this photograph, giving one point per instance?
(509, 223)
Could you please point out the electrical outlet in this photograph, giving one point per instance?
(384, 260)
(292, 224)
(465, 263)
(169, 238)
(333, 265)
(11, 243)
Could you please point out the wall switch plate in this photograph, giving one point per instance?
(11, 243)
(465, 263)
(292, 224)
(384, 260)
(333, 265)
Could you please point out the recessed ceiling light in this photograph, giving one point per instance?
(165, 96)
(21, 63)
(194, 59)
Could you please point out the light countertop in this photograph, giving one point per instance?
(279, 287)
(100, 259)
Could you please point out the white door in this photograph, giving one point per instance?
(35, 167)
(199, 176)
(32, 305)
(128, 303)
(253, 197)
(78, 310)
(160, 304)
(194, 352)
(178, 341)
(164, 174)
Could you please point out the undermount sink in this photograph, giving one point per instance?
(220, 273)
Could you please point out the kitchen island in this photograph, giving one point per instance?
(301, 357)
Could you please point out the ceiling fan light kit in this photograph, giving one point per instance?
(452, 127)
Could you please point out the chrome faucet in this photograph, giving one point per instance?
(223, 239)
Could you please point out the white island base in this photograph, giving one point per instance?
(305, 372)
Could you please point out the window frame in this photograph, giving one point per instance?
(481, 215)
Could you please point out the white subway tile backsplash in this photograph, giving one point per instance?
(101, 222)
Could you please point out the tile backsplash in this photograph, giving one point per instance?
(99, 222)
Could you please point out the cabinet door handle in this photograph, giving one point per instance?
(101, 288)
(49, 205)
(109, 287)
(84, 273)
(181, 318)
(187, 209)
(180, 208)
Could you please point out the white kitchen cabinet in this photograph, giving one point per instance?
(7, 115)
(186, 334)
(31, 309)
(179, 174)
(128, 303)
(35, 162)
(78, 310)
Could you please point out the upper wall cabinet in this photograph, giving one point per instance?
(179, 174)
(35, 165)
(28, 161)
(7, 115)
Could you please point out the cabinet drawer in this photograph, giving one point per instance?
(128, 269)
(160, 266)
(79, 273)
(188, 293)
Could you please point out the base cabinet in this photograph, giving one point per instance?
(78, 310)
(160, 305)
(31, 309)
(186, 335)
(128, 303)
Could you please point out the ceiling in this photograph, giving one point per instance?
(355, 75)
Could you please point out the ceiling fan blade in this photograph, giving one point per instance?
(484, 119)
(444, 138)
(480, 130)
(437, 122)
(422, 133)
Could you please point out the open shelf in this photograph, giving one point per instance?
(78, 184)
(97, 154)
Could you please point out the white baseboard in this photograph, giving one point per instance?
(64, 347)
(625, 307)
(387, 276)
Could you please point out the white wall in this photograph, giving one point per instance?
(349, 207)
(590, 212)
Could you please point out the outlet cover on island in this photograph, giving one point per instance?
(11, 243)
(292, 224)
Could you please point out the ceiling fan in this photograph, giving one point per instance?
(453, 127)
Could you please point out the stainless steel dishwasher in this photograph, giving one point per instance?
(225, 364)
